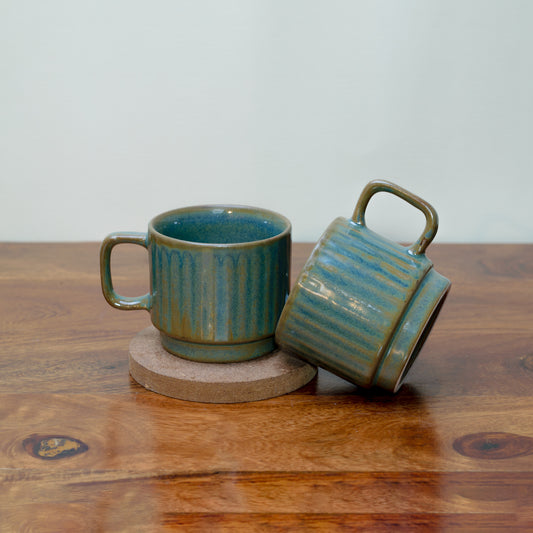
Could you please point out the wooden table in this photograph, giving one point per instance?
(84, 448)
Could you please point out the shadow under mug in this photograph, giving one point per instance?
(219, 278)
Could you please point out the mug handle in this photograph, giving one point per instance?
(114, 299)
(432, 219)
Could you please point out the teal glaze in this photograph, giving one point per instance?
(219, 277)
(363, 305)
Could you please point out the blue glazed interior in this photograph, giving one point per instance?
(220, 225)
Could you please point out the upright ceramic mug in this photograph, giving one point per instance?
(363, 305)
(219, 277)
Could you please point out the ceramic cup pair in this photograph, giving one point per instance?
(219, 289)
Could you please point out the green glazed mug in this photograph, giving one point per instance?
(219, 277)
(363, 305)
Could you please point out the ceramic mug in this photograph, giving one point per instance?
(219, 277)
(363, 305)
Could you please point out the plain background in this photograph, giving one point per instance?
(114, 111)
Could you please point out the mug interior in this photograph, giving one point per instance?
(220, 224)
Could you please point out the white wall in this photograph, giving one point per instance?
(114, 111)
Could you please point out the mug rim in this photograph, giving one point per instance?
(210, 207)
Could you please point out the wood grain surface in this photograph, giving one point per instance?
(84, 448)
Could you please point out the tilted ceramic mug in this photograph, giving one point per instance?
(363, 305)
(219, 277)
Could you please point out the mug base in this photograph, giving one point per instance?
(412, 331)
(217, 353)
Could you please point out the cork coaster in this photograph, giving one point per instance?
(157, 370)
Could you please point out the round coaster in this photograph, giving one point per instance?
(258, 379)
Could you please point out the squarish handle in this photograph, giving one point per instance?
(432, 219)
(114, 299)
